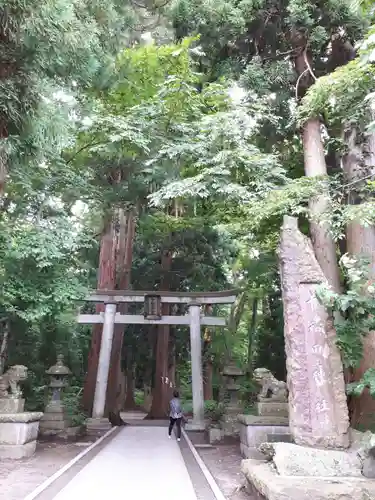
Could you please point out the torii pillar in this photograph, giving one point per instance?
(196, 368)
(104, 361)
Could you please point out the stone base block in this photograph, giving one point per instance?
(58, 425)
(68, 433)
(215, 435)
(19, 429)
(264, 421)
(195, 426)
(98, 424)
(17, 451)
(269, 485)
(272, 409)
(253, 433)
(229, 424)
(54, 417)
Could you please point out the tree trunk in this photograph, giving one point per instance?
(315, 166)
(323, 242)
(106, 281)
(358, 163)
(159, 397)
(4, 345)
(172, 357)
(252, 326)
(124, 259)
(129, 399)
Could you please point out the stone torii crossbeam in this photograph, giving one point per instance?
(152, 316)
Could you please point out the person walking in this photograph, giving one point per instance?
(175, 415)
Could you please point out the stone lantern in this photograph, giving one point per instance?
(55, 421)
(231, 374)
(59, 374)
(231, 388)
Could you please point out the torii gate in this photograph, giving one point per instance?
(152, 316)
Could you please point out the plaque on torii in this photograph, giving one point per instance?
(152, 307)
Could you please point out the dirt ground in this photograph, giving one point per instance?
(224, 463)
(18, 478)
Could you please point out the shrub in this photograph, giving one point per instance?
(72, 402)
(214, 411)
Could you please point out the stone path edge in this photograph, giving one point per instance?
(57, 475)
(207, 474)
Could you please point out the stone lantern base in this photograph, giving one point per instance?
(56, 423)
(18, 434)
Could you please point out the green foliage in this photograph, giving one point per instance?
(40, 272)
(72, 401)
(367, 381)
(348, 87)
(356, 307)
(214, 411)
(139, 398)
(50, 49)
(220, 160)
(248, 395)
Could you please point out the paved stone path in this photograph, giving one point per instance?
(139, 463)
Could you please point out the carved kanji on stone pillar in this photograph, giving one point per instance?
(317, 402)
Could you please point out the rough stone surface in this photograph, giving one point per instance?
(215, 435)
(318, 413)
(363, 443)
(251, 452)
(10, 381)
(18, 432)
(21, 417)
(12, 405)
(229, 424)
(274, 409)
(17, 451)
(271, 388)
(368, 469)
(272, 486)
(293, 460)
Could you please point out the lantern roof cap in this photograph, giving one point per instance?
(232, 370)
(59, 368)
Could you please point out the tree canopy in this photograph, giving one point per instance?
(158, 147)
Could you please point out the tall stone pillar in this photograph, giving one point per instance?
(104, 360)
(196, 367)
(318, 410)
